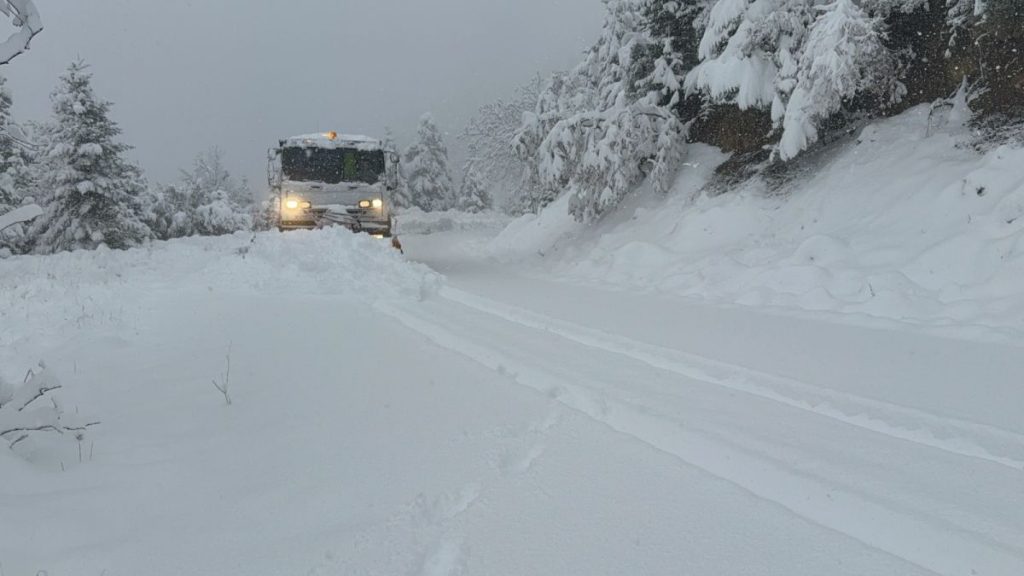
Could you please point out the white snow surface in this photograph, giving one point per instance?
(416, 221)
(898, 225)
(517, 416)
(87, 290)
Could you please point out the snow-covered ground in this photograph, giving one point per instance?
(901, 223)
(908, 442)
(540, 401)
(416, 221)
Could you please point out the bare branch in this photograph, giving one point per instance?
(59, 429)
(21, 416)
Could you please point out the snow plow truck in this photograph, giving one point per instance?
(333, 179)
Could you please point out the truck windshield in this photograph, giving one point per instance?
(332, 166)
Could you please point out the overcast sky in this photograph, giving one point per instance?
(239, 74)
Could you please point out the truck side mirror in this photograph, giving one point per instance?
(273, 167)
(392, 171)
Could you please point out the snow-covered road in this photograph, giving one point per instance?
(905, 441)
(503, 423)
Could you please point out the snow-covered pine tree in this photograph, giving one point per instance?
(15, 177)
(553, 105)
(741, 49)
(601, 137)
(209, 174)
(844, 56)
(426, 167)
(219, 216)
(473, 194)
(207, 201)
(669, 49)
(10, 197)
(218, 204)
(490, 136)
(754, 54)
(94, 192)
(400, 195)
(589, 151)
(268, 216)
(160, 206)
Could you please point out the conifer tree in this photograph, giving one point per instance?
(207, 201)
(9, 196)
(844, 56)
(490, 137)
(218, 204)
(400, 195)
(15, 177)
(473, 194)
(14, 174)
(94, 193)
(595, 135)
(426, 164)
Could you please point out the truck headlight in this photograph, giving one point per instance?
(378, 203)
(365, 204)
(293, 204)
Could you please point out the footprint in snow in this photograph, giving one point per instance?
(445, 560)
(447, 506)
(520, 462)
(547, 424)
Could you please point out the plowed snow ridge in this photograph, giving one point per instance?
(928, 542)
(949, 434)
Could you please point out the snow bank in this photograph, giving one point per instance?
(89, 290)
(416, 221)
(535, 234)
(897, 224)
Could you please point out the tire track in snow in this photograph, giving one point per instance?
(915, 539)
(951, 435)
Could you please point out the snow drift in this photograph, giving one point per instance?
(898, 223)
(86, 290)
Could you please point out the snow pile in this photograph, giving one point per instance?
(897, 224)
(416, 221)
(534, 234)
(87, 290)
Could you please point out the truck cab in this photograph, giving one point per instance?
(334, 179)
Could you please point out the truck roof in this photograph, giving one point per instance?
(333, 140)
